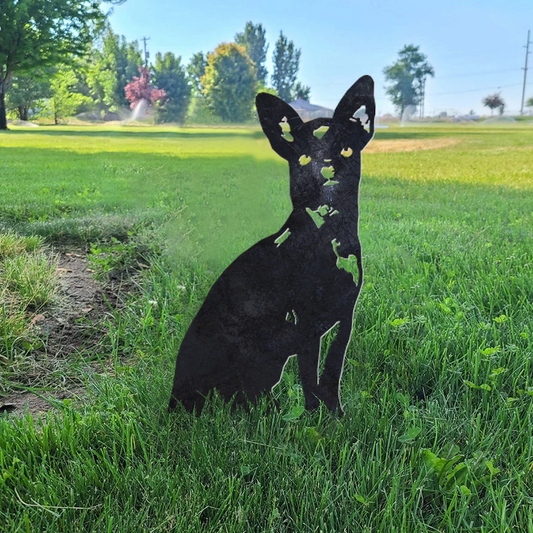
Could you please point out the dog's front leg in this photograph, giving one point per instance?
(329, 387)
(308, 354)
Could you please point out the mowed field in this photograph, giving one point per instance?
(438, 381)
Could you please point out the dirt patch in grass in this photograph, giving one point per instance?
(36, 404)
(408, 145)
(72, 329)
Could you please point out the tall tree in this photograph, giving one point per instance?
(115, 64)
(529, 102)
(64, 101)
(286, 65)
(494, 101)
(302, 91)
(28, 91)
(254, 41)
(37, 33)
(170, 75)
(407, 76)
(230, 82)
(196, 69)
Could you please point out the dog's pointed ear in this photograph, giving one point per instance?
(279, 122)
(361, 93)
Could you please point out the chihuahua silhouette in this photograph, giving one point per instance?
(280, 296)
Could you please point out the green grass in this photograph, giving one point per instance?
(32, 277)
(28, 281)
(437, 386)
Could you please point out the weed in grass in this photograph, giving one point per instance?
(28, 281)
(12, 244)
(454, 472)
(118, 258)
(13, 325)
(32, 277)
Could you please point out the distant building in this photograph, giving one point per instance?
(309, 111)
(466, 118)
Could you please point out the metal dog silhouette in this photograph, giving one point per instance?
(280, 297)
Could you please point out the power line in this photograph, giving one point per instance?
(478, 73)
(480, 89)
(480, 53)
(525, 74)
(476, 61)
(341, 84)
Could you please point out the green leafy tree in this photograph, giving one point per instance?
(64, 101)
(264, 89)
(407, 76)
(82, 67)
(115, 64)
(196, 70)
(254, 41)
(494, 101)
(36, 33)
(27, 92)
(286, 65)
(170, 75)
(529, 102)
(230, 82)
(302, 91)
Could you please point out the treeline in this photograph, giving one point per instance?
(112, 76)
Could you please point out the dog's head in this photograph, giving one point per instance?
(324, 154)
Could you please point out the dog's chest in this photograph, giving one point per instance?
(318, 270)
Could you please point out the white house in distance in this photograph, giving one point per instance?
(309, 111)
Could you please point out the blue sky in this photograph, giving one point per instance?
(476, 47)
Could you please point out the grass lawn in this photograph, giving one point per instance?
(438, 382)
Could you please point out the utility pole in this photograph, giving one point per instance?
(525, 73)
(146, 53)
(422, 97)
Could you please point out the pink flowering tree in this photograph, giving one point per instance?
(140, 89)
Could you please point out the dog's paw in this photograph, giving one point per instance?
(312, 403)
(331, 400)
(172, 404)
